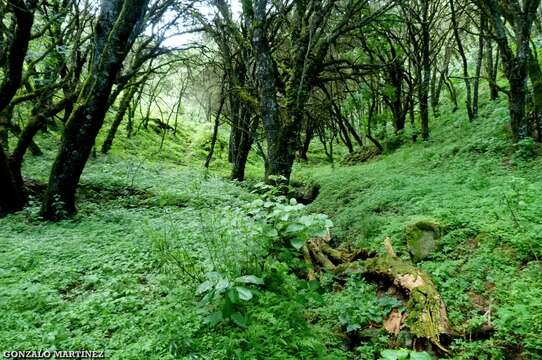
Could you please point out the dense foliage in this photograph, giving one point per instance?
(290, 179)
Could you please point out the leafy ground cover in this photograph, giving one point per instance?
(166, 261)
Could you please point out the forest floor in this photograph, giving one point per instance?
(106, 280)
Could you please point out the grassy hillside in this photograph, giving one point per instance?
(485, 194)
(123, 276)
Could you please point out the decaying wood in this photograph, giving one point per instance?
(425, 316)
(426, 313)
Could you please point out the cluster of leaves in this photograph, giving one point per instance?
(289, 220)
(229, 294)
(404, 354)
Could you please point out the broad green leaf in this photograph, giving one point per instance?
(352, 327)
(239, 319)
(401, 354)
(233, 295)
(249, 279)
(204, 287)
(306, 220)
(419, 355)
(244, 293)
(213, 276)
(272, 233)
(222, 284)
(297, 242)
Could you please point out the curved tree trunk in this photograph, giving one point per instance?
(215, 132)
(466, 78)
(479, 60)
(280, 145)
(117, 22)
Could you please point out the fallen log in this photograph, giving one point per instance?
(425, 316)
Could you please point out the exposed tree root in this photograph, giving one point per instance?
(425, 316)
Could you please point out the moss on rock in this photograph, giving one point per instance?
(422, 238)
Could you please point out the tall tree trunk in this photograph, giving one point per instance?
(466, 78)
(243, 147)
(372, 111)
(215, 129)
(443, 75)
(117, 24)
(12, 197)
(309, 134)
(123, 107)
(491, 69)
(453, 93)
(478, 71)
(24, 17)
(535, 75)
(516, 64)
(399, 114)
(343, 132)
(281, 153)
(435, 97)
(423, 91)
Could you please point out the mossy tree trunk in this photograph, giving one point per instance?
(117, 25)
(535, 75)
(245, 139)
(464, 62)
(516, 57)
(280, 152)
(12, 197)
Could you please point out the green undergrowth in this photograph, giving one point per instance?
(485, 194)
(167, 261)
(124, 275)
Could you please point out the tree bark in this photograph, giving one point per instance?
(11, 192)
(117, 24)
(280, 152)
(244, 145)
(478, 71)
(423, 91)
(24, 17)
(491, 69)
(119, 116)
(515, 63)
(215, 130)
(466, 78)
(535, 76)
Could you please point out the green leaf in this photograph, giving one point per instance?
(249, 279)
(352, 327)
(239, 319)
(297, 242)
(244, 293)
(419, 355)
(214, 318)
(306, 220)
(213, 276)
(233, 295)
(401, 354)
(222, 284)
(204, 287)
(295, 227)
